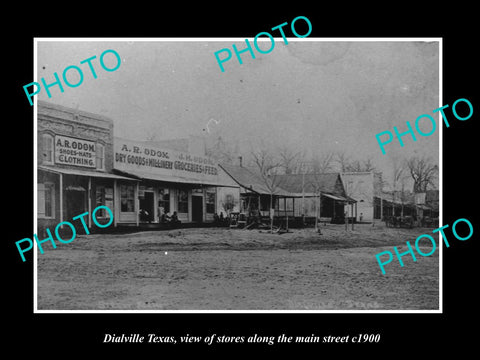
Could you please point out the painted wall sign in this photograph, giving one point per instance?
(138, 158)
(72, 151)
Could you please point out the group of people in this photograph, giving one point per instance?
(220, 220)
(166, 218)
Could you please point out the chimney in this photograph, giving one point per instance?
(240, 161)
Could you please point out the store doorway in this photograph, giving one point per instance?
(197, 209)
(147, 210)
(75, 201)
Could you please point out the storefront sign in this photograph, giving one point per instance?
(140, 159)
(72, 151)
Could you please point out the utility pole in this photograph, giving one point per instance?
(303, 163)
(303, 193)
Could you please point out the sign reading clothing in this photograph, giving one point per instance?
(139, 158)
(72, 151)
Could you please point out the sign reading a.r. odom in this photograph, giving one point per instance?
(72, 151)
(141, 159)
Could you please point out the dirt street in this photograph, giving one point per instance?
(232, 269)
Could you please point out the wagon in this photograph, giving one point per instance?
(399, 221)
(237, 220)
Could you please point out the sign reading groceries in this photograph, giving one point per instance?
(72, 151)
(137, 157)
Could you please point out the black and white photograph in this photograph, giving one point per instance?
(181, 181)
(173, 180)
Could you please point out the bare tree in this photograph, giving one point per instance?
(354, 166)
(423, 172)
(403, 193)
(318, 165)
(398, 176)
(347, 164)
(268, 169)
(343, 161)
(321, 164)
(290, 160)
(316, 183)
(368, 165)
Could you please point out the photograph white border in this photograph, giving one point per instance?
(368, 39)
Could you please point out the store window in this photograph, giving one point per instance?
(127, 198)
(265, 203)
(229, 203)
(104, 197)
(210, 201)
(47, 149)
(100, 156)
(164, 201)
(289, 202)
(183, 201)
(46, 200)
(280, 204)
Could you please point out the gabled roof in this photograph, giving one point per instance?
(397, 197)
(329, 183)
(250, 179)
(288, 184)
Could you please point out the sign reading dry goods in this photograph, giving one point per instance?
(77, 152)
(140, 159)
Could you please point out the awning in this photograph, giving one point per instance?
(82, 172)
(301, 195)
(169, 179)
(423, 207)
(334, 197)
(263, 190)
(75, 188)
(399, 202)
(310, 195)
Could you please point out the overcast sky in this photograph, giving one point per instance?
(313, 95)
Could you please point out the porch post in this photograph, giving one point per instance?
(137, 204)
(115, 204)
(89, 192)
(61, 199)
(381, 209)
(286, 211)
(353, 218)
(319, 208)
(303, 195)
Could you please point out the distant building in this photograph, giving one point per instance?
(427, 204)
(373, 202)
(361, 187)
(294, 195)
(324, 192)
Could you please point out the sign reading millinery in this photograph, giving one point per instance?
(142, 159)
(72, 151)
